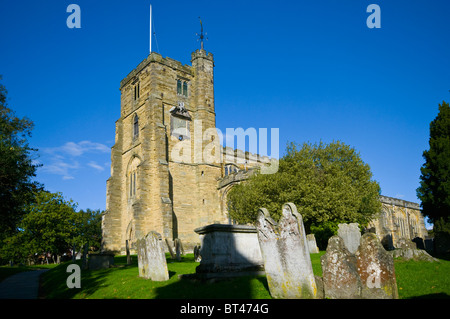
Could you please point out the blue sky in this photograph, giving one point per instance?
(313, 69)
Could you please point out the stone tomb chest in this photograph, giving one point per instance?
(100, 261)
(228, 251)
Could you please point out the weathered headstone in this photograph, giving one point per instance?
(351, 235)
(286, 254)
(340, 276)
(151, 258)
(169, 247)
(84, 258)
(178, 249)
(376, 269)
(73, 253)
(312, 245)
(197, 256)
(127, 248)
(100, 261)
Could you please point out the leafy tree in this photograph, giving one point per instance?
(329, 184)
(434, 189)
(51, 225)
(89, 228)
(16, 167)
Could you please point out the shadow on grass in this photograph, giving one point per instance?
(105, 283)
(53, 283)
(245, 287)
(231, 288)
(441, 295)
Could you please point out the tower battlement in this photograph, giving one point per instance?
(157, 58)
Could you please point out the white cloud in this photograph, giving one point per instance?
(65, 160)
(77, 149)
(96, 166)
(60, 167)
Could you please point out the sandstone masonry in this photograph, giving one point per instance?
(161, 180)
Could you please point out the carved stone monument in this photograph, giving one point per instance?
(367, 274)
(228, 251)
(340, 276)
(351, 235)
(286, 254)
(312, 244)
(151, 258)
(376, 269)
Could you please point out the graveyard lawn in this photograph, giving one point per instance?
(414, 280)
(122, 282)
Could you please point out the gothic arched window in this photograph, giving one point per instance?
(185, 89)
(179, 90)
(132, 177)
(136, 91)
(136, 126)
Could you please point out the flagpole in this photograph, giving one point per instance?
(150, 29)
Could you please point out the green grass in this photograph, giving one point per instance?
(123, 282)
(414, 280)
(421, 279)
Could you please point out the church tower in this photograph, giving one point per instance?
(160, 179)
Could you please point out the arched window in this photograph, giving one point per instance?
(136, 91)
(185, 89)
(182, 88)
(132, 177)
(136, 126)
(230, 169)
(179, 90)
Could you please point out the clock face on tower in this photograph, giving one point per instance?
(179, 122)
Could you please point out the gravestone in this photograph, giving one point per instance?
(228, 251)
(73, 253)
(127, 248)
(340, 276)
(151, 257)
(312, 245)
(84, 258)
(286, 254)
(100, 261)
(351, 235)
(376, 269)
(169, 247)
(197, 256)
(178, 249)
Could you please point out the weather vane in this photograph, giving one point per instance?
(201, 36)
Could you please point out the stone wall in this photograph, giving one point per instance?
(159, 182)
(397, 221)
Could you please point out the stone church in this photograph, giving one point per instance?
(158, 183)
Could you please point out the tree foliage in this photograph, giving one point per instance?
(434, 189)
(329, 184)
(32, 220)
(52, 225)
(16, 167)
